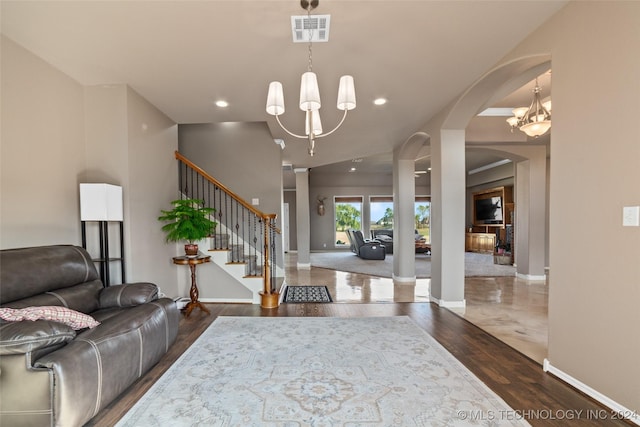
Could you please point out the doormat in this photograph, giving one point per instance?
(301, 294)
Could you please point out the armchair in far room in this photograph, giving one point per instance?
(371, 249)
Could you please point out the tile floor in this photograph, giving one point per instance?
(511, 309)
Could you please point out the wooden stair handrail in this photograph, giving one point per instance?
(224, 188)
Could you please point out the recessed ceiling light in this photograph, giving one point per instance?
(352, 170)
(380, 101)
(222, 104)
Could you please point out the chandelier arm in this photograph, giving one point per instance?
(344, 116)
(289, 132)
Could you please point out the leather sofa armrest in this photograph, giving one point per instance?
(27, 336)
(128, 295)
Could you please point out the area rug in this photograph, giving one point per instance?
(475, 265)
(267, 371)
(303, 294)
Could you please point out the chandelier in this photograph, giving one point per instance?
(535, 120)
(310, 95)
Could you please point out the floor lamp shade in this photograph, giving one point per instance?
(100, 202)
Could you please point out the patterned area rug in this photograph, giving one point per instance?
(304, 371)
(302, 294)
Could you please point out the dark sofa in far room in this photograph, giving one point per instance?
(68, 345)
(385, 236)
(365, 249)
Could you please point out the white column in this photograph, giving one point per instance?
(404, 195)
(530, 218)
(448, 218)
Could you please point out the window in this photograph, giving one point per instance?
(348, 211)
(381, 208)
(423, 216)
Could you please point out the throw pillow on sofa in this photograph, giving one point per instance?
(72, 318)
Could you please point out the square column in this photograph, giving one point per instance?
(448, 217)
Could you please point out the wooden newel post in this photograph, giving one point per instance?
(269, 297)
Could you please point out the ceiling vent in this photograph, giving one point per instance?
(315, 25)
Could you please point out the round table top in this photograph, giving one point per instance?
(185, 260)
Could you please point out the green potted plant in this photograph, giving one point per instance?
(189, 221)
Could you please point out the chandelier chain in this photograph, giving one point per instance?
(310, 64)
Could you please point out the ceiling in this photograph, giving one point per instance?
(182, 56)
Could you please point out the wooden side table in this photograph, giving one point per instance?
(193, 292)
(422, 246)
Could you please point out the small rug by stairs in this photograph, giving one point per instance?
(302, 294)
(318, 371)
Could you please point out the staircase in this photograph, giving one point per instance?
(245, 241)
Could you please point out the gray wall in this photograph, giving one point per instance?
(595, 152)
(63, 134)
(241, 156)
(42, 151)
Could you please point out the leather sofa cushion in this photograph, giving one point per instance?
(83, 298)
(24, 337)
(31, 271)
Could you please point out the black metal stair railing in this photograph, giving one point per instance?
(248, 234)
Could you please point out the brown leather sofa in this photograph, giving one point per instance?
(53, 375)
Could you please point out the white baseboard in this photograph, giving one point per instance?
(303, 266)
(449, 304)
(227, 300)
(618, 409)
(405, 280)
(181, 302)
(531, 277)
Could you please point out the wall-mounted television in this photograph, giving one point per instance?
(488, 210)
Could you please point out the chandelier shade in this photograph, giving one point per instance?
(519, 112)
(310, 95)
(535, 129)
(346, 94)
(313, 123)
(513, 121)
(275, 99)
(309, 92)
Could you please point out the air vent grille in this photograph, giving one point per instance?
(315, 25)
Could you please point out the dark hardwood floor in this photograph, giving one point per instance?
(520, 381)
